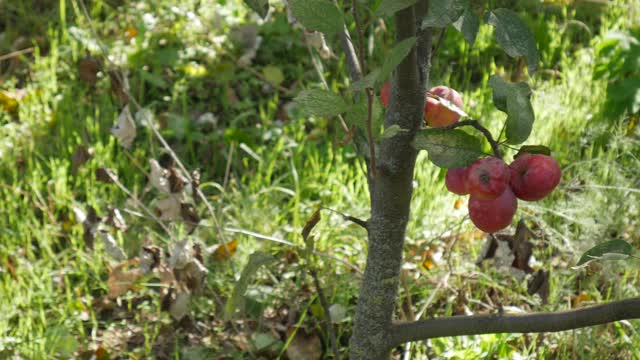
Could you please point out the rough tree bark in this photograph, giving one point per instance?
(390, 187)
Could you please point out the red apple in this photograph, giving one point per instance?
(493, 215)
(384, 94)
(456, 180)
(438, 115)
(534, 176)
(488, 178)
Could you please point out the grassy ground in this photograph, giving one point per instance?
(265, 170)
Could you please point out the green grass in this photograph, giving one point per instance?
(52, 284)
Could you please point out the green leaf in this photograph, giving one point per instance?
(444, 12)
(392, 131)
(261, 7)
(610, 250)
(237, 299)
(398, 53)
(520, 114)
(500, 90)
(515, 100)
(468, 24)
(320, 15)
(368, 81)
(359, 112)
(533, 149)
(320, 102)
(448, 148)
(514, 36)
(390, 7)
(273, 74)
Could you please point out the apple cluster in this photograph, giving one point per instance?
(436, 114)
(495, 187)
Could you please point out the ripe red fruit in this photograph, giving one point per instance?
(488, 178)
(438, 115)
(493, 215)
(384, 94)
(456, 180)
(534, 176)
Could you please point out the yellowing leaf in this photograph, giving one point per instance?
(131, 32)
(223, 252)
(577, 300)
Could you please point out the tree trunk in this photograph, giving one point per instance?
(390, 187)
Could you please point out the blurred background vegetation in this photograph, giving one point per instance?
(217, 82)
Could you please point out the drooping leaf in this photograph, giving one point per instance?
(390, 7)
(514, 36)
(444, 12)
(237, 299)
(398, 53)
(261, 7)
(610, 250)
(515, 100)
(320, 102)
(318, 15)
(533, 149)
(468, 24)
(448, 148)
(520, 114)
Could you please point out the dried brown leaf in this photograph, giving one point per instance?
(106, 175)
(539, 284)
(88, 69)
(81, 156)
(311, 223)
(119, 85)
(123, 277)
(168, 208)
(116, 220)
(159, 177)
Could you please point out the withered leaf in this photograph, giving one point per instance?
(192, 275)
(81, 156)
(311, 223)
(305, 346)
(125, 128)
(189, 213)
(111, 247)
(116, 220)
(179, 306)
(159, 177)
(177, 182)
(222, 252)
(150, 256)
(106, 175)
(88, 69)
(522, 247)
(168, 208)
(90, 222)
(119, 85)
(123, 277)
(539, 284)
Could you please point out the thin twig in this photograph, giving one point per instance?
(353, 219)
(16, 53)
(327, 315)
(356, 18)
(482, 129)
(438, 42)
(349, 52)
